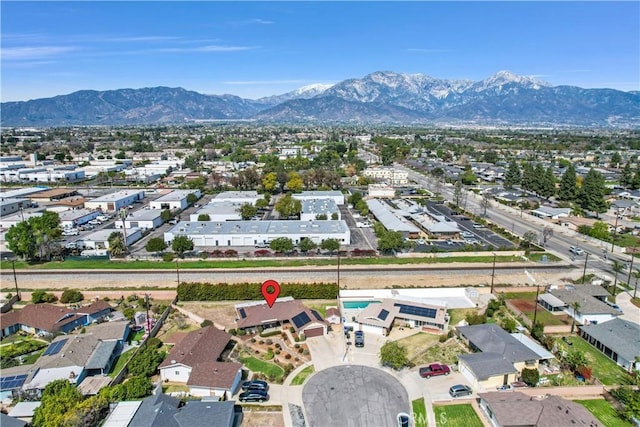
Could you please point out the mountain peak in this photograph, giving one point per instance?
(505, 77)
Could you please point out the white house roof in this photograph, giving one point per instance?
(542, 353)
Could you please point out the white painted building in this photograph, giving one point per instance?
(100, 239)
(312, 208)
(43, 174)
(115, 201)
(146, 219)
(389, 175)
(250, 233)
(9, 206)
(219, 211)
(240, 197)
(75, 217)
(381, 191)
(337, 196)
(177, 199)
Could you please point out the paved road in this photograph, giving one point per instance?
(354, 396)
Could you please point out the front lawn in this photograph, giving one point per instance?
(607, 414)
(457, 416)
(302, 375)
(419, 413)
(604, 368)
(268, 369)
(458, 314)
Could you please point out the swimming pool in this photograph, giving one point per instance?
(356, 304)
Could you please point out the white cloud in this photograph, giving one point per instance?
(34, 52)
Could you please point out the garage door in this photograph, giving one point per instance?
(314, 332)
(464, 370)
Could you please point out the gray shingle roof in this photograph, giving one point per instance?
(588, 303)
(620, 335)
(101, 355)
(209, 414)
(490, 338)
(486, 365)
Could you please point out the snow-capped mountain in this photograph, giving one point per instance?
(380, 97)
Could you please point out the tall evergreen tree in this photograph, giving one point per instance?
(568, 185)
(626, 179)
(591, 196)
(528, 177)
(616, 159)
(513, 176)
(538, 179)
(635, 182)
(548, 187)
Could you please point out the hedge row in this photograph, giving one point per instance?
(252, 291)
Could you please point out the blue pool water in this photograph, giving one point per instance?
(356, 304)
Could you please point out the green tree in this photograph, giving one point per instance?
(513, 176)
(626, 178)
(616, 159)
(247, 211)
(468, 177)
(390, 241)
(528, 238)
(491, 156)
(281, 244)
(192, 198)
(307, 245)
(117, 246)
(600, 230)
(617, 269)
(71, 296)
(204, 217)
(181, 244)
(166, 215)
(262, 203)
(528, 181)
(575, 309)
(355, 198)
(20, 240)
(592, 193)
(39, 296)
(568, 185)
(58, 399)
(393, 355)
(156, 245)
(530, 377)
(288, 206)
(548, 184)
(330, 245)
(575, 358)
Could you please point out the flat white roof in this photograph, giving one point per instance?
(533, 346)
(449, 297)
(117, 195)
(122, 414)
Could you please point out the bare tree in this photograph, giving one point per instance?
(457, 193)
(547, 234)
(485, 202)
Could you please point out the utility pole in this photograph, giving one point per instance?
(493, 272)
(630, 267)
(535, 309)
(146, 298)
(338, 267)
(615, 232)
(584, 271)
(178, 271)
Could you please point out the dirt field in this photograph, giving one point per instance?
(262, 419)
(524, 305)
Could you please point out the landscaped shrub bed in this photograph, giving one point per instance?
(244, 291)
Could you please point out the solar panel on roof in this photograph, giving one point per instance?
(12, 382)
(383, 314)
(54, 347)
(417, 311)
(243, 313)
(301, 319)
(316, 315)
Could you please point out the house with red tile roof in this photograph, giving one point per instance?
(50, 319)
(195, 361)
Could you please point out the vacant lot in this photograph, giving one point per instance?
(425, 348)
(417, 345)
(262, 419)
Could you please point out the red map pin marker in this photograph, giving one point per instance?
(270, 291)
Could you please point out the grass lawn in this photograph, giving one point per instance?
(627, 240)
(122, 359)
(546, 318)
(419, 413)
(32, 358)
(257, 365)
(458, 314)
(604, 368)
(173, 388)
(321, 305)
(457, 416)
(519, 295)
(603, 411)
(417, 344)
(302, 375)
(636, 302)
(537, 256)
(93, 264)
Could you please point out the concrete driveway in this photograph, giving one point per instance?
(630, 311)
(354, 396)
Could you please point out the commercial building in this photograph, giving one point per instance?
(76, 217)
(313, 209)
(146, 219)
(115, 201)
(176, 199)
(219, 211)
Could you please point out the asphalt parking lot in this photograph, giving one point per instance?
(354, 396)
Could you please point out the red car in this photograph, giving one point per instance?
(433, 370)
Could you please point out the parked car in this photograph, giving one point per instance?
(253, 395)
(466, 234)
(70, 232)
(576, 250)
(459, 390)
(255, 385)
(434, 370)
(404, 420)
(477, 226)
(359, 339)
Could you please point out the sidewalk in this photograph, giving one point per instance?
(630, 311)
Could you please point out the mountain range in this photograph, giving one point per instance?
(382, 97)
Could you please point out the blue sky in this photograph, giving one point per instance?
(255, 49)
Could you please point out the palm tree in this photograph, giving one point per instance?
(123, 213)
(617, 268)
(575, 306)
(636, 274)
(116, 244)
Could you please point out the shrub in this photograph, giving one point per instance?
(71, 296)
(269, 342)
(301, 350)
(530, 376)
(251, 291)
(232, 332)
(287, 356)
(168, 257)
(253, 340)
(585, 371)
(443, 338)
(291, 329)
(241, 332)
(205, 323)
(297, 345)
